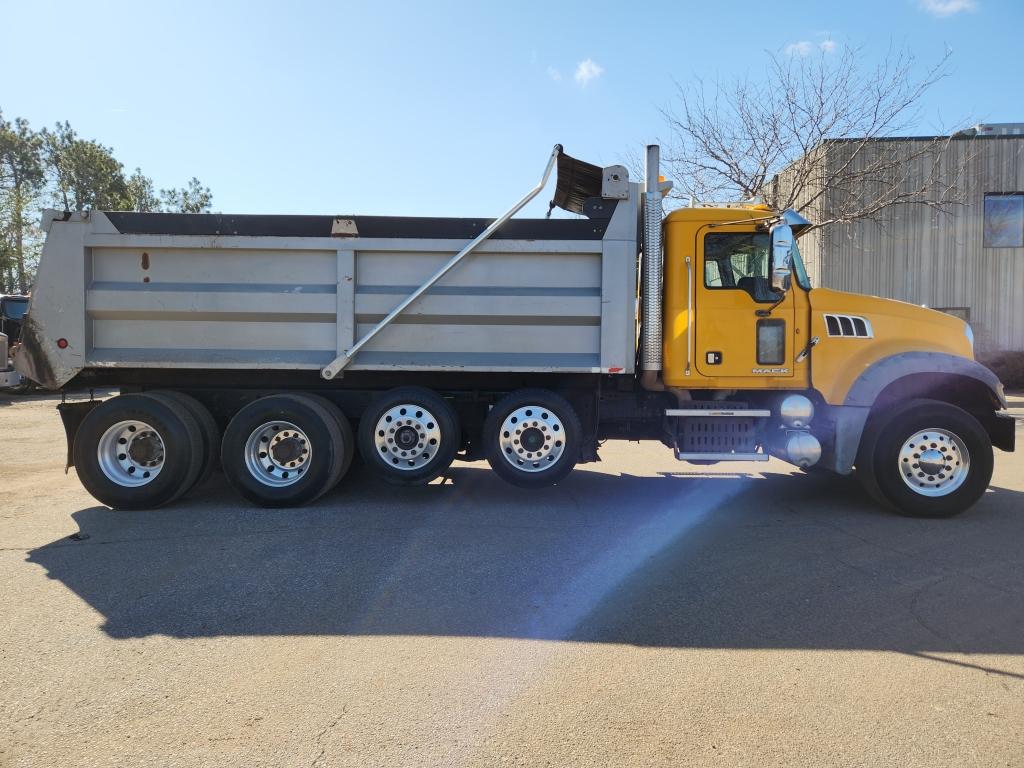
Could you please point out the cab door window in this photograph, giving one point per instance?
(738, 261)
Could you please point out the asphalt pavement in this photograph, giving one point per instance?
(643, 612)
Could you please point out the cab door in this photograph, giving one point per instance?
(742, 327)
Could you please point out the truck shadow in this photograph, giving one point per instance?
(737, 561)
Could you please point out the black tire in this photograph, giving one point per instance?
(864, 466)
(426, 419)
(182, 442)
(207, 425)
(886, 471)
(313, 451)
(529, 469)
(346, 447)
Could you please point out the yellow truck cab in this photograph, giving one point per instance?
(893, 388)
(727, 250)
(275, 347)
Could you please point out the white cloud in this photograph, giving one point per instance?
(587, 70)
(554, 74)
(943, 8)
(806, 47)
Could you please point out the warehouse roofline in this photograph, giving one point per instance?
(979, 131)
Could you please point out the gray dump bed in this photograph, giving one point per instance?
(212, 291)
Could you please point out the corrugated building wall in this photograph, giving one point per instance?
(917, 254)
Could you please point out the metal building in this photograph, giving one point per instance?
(967, 260)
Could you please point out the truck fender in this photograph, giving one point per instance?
(879, 375)
(850, 417)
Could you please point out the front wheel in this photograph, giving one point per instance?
(532, 438)
(926, 459)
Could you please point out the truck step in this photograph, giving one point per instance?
(701, 456)
(712, 431)
(707, 412)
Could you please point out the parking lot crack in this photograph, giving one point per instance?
(318, 742)
(915, 613)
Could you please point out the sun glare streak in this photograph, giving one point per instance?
(685, 506)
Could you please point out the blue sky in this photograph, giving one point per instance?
(439, 108)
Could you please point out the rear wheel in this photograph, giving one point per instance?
(532, 438)
(207, 426)
(138, 452)
(925, 459)
(409, 435)
(283, 450)
(347, 445)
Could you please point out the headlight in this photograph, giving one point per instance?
(796, 411)
(969, 333)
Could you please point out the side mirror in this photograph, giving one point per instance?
(781, 256)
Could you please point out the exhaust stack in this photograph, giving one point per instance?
(651, 331)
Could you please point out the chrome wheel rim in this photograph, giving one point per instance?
(131, 453)
(277, 454)
(407, 437)
(532, 438)
(934, 462)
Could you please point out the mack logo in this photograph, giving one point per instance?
(775, 371)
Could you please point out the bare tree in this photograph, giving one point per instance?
(808, 132)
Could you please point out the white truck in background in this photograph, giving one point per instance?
(12, 314)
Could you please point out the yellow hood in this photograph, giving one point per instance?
(896, 327)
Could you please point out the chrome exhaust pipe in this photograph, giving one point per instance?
(651, 330)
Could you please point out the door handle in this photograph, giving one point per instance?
(807, 350)
(689, 314)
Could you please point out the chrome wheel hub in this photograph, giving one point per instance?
(934, 462)
(532, 438)
(407, 437)
(277, 453)
(131, 453)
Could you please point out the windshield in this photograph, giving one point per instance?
(799, 270)
(15, 309)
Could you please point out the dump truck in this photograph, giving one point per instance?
(276, 347)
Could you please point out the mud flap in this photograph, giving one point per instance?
(71, 415)
(1002, 429)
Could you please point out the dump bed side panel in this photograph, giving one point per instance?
(200, 305)
(252, 302)
(281, 307)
